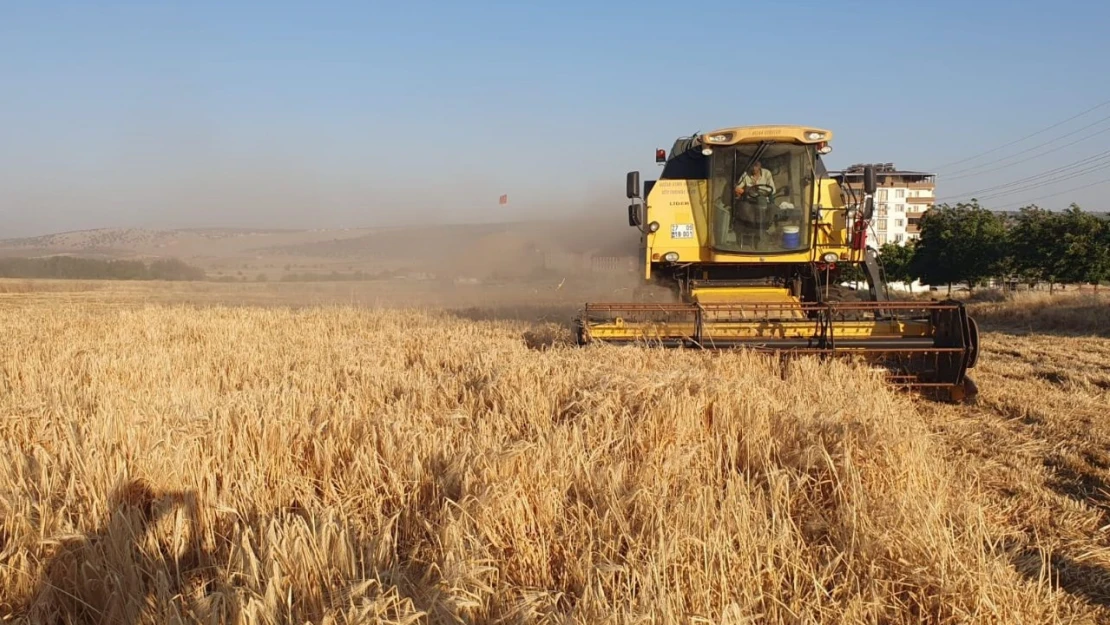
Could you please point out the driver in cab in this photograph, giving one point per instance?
(757, 176)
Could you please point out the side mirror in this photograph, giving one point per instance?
(632, 184)
(634, 219)
(869, 184)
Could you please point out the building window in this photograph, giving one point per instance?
(900, 223)
(901, 208)
(898, 238)
(882, 225)
(899, 193)
(882, 195)
(882, 239)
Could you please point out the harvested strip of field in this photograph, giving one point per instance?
(336, 465)
(1040, 441)
(1074, 313)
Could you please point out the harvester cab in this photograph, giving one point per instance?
(753, 241)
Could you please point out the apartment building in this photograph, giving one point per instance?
(901, 199)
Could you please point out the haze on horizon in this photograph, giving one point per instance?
(206, 114)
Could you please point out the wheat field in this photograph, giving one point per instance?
(169, 462)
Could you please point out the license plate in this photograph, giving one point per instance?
(682, 231)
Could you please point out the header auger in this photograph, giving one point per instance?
(751, 237)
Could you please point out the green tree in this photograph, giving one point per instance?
(961, 243)
(896, 261)
(174, 269)
(1033, 243)
(1083, 253)
(1104, 242)
(73, 267)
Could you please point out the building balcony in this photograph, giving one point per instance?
(913, 223)
(921, 200)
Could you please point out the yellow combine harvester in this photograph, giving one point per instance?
(750, 235)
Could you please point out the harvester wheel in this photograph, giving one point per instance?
(965, 392)
(973, 357)
(971, 390)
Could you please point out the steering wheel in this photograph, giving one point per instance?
(759, 191)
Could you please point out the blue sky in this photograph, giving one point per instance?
(356, 114)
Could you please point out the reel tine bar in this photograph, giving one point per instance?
(938, 355)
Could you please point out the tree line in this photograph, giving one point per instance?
(969, 244)
(77, 268)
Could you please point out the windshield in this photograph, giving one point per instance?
(760, 197)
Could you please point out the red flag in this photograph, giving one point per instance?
(504, 200)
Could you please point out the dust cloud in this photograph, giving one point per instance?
(577, 252)
(552, 249)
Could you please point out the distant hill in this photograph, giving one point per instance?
(470, 249)
(103, 238)
(444, 241)
(138, 242)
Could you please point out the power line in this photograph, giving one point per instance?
(967, 173)
(1086, 186)
(1046, 183)
(1041, 131)
(1083, 161)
